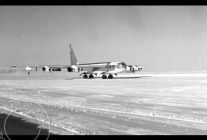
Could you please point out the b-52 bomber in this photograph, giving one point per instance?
(107, 70)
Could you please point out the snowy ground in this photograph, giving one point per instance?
(148, 105)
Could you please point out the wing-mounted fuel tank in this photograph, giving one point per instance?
(28, 68)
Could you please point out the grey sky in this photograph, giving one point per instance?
(161, 38)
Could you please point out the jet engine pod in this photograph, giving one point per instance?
(130, 68)
(137, 68)
(133, 68)
(74, 68)
(56, 69)
(45, 68)
(70, 69)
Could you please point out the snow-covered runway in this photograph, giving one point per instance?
(158, 104)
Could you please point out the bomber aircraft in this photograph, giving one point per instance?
(107, 70)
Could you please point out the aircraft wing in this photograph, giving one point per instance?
(50, 66)
(95, 65)
(54, 66)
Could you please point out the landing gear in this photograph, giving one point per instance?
(85, 76)
(104, 76)
(110, 76)
(90, 76)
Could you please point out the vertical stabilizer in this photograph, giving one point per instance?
(73, 58)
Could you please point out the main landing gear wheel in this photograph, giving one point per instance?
(85, 76)
(110, 76)
(90, 76)
(104, 76)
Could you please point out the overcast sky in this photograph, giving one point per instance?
(161, 38)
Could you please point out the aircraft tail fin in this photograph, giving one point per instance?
(73, 58)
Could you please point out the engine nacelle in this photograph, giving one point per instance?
(137, 68)
(74, 68)
(56, 69)
(133, 68)
(46, 68)
(70, 69)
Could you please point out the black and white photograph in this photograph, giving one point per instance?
(103, 70)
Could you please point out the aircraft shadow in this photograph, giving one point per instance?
(113, 78)
(130, 77)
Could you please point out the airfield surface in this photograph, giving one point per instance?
(147, 105)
